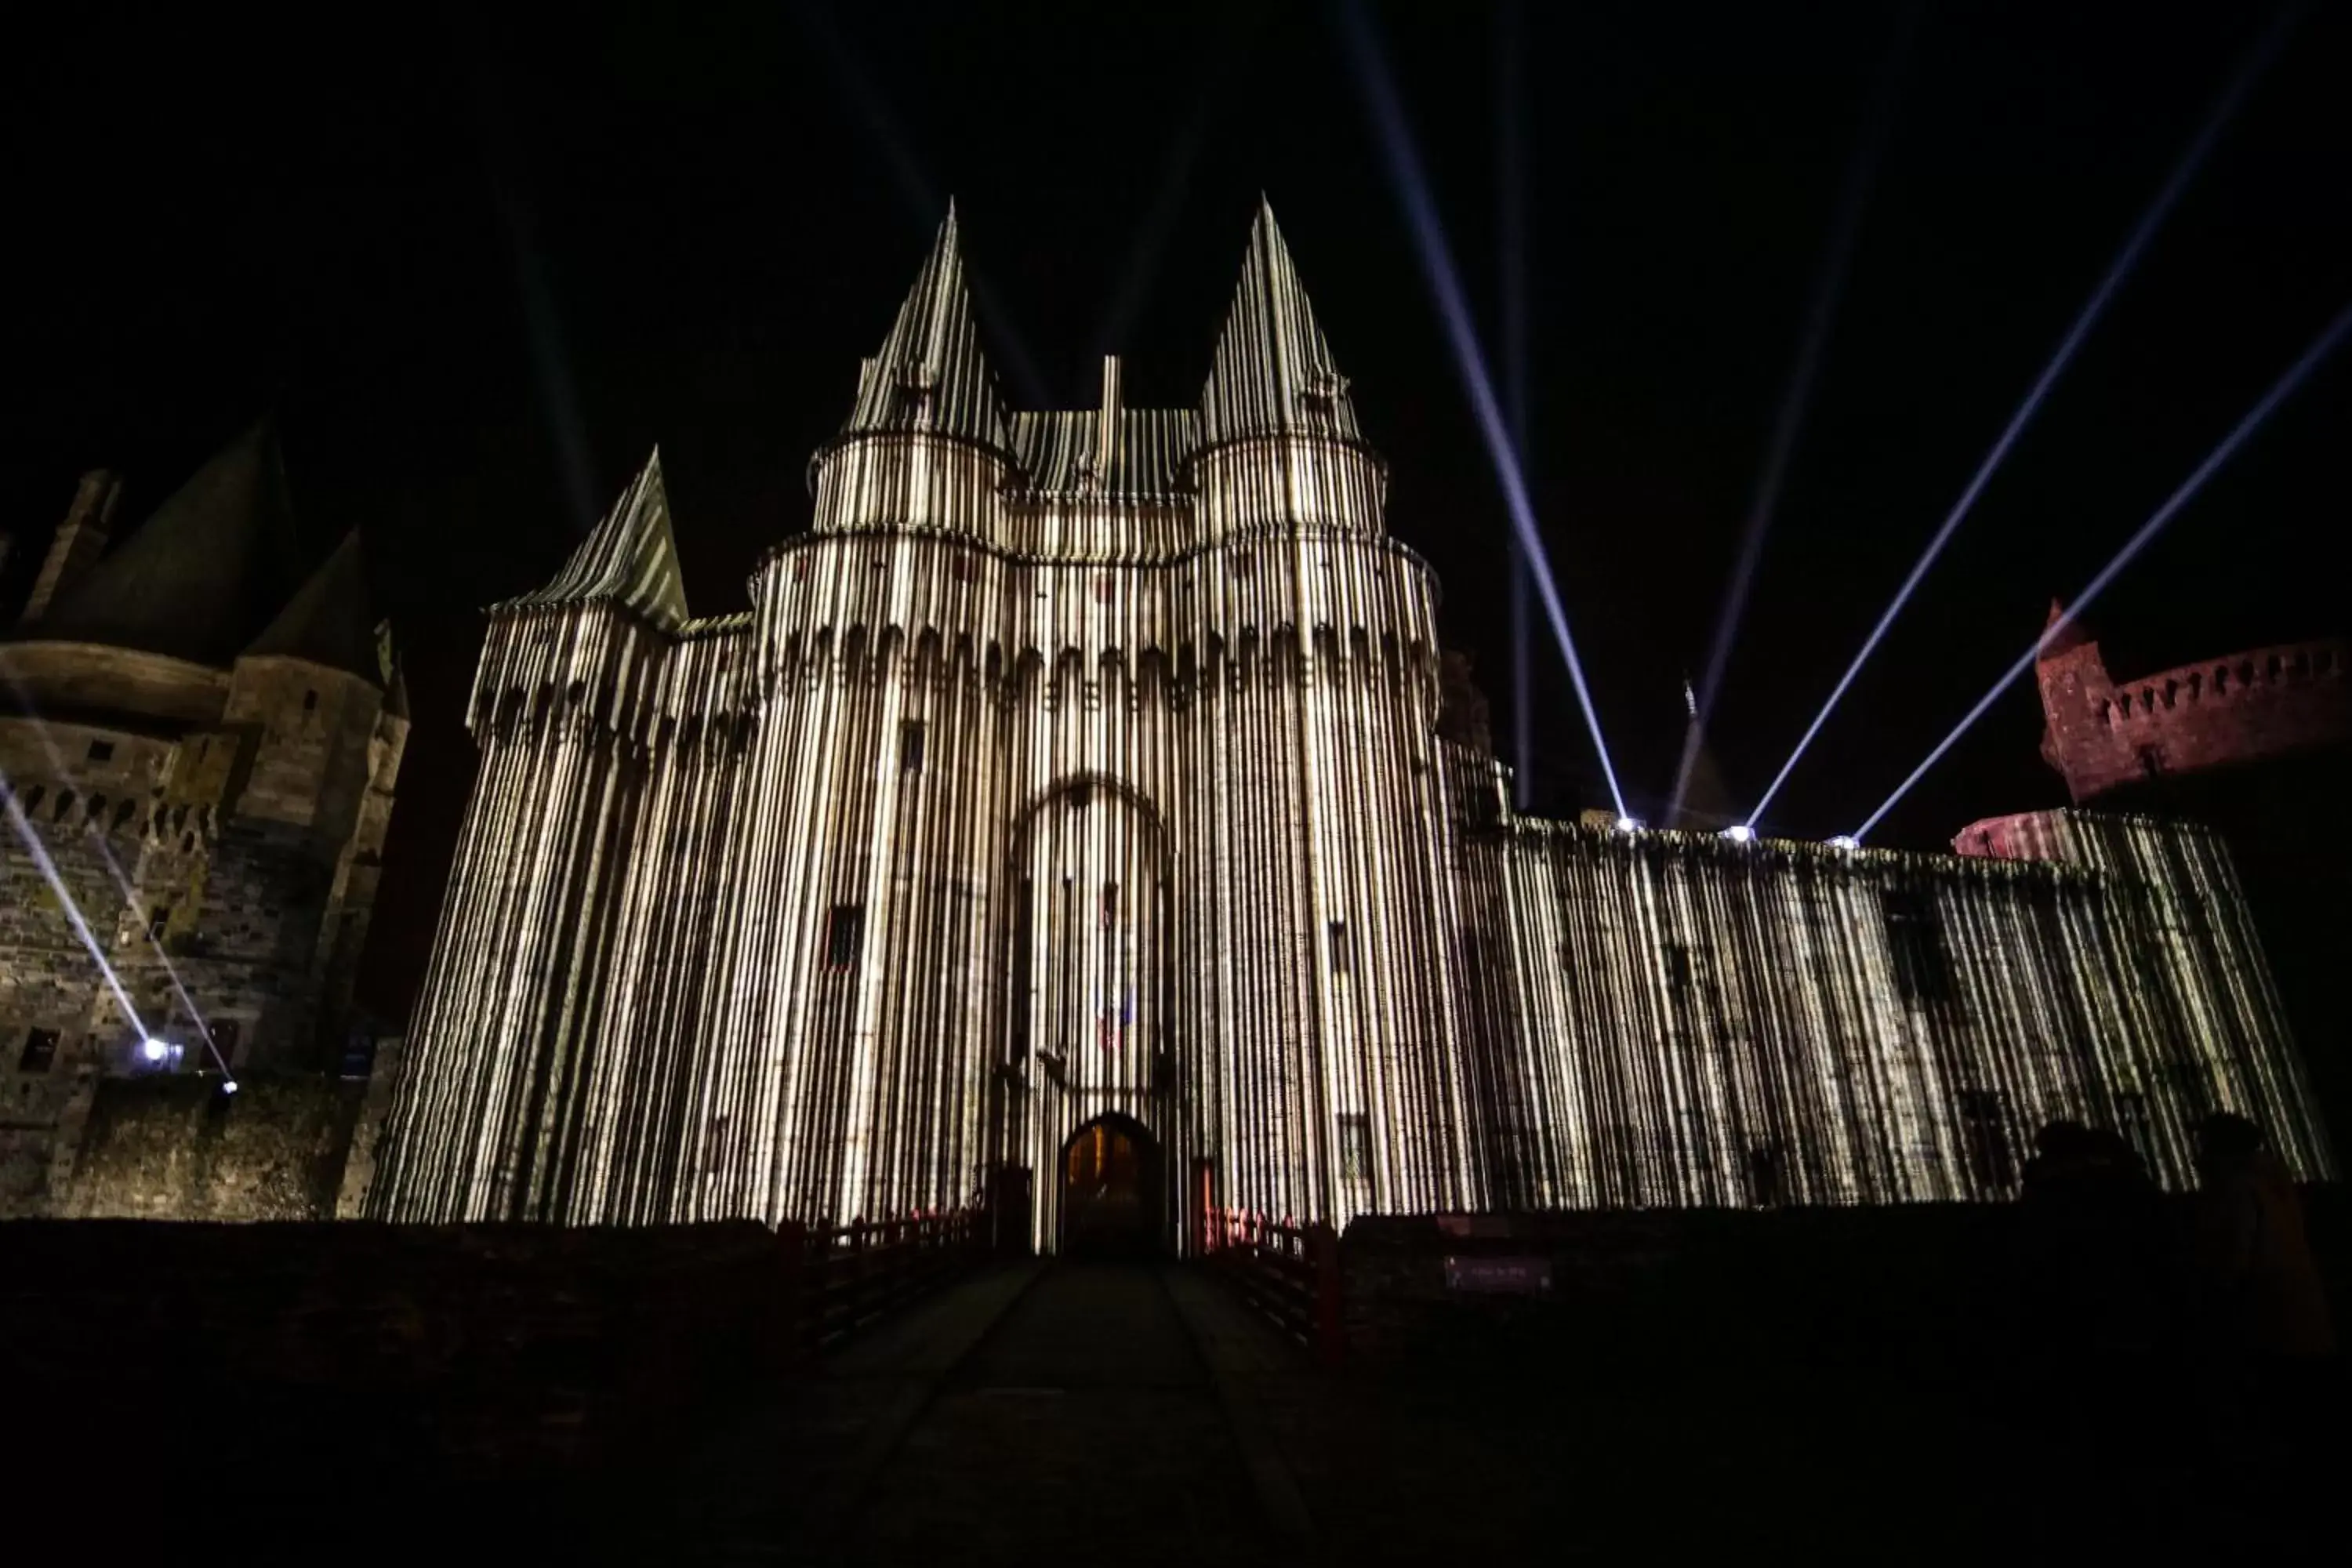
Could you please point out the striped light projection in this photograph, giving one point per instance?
(1083, 764)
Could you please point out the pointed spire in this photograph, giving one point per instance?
(1273, 373)
(930, 374)
(202, 573)
(326, 621)
(2062, 632)
(629, 558)
(1702, 800)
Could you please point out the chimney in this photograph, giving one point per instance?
(80, 540)
(1107, 422)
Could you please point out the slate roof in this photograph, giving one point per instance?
(328, 621)
(1273, 373)
(206, 570)
(1149, 450)
(930, 374)
(629, 558)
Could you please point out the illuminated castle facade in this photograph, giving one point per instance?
(1088, 769)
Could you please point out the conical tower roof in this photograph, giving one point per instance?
(1702, 800)
(211, 565)
(328, 621)
(629, 558)
(930, 374)
(1273, 373)
(2066, 633)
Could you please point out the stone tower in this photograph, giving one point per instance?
(199, 735)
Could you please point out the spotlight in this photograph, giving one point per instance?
(154, 1049)
(1410, 183)
(228, 1086)
(2320, 349)
(1628, 824)
(1845, 841)
(1739, 833)
(2256, 60)
(64, 895)
(1796, 393)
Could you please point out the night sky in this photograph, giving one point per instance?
(481, 267)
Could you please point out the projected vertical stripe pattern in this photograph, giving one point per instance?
(1086, 764)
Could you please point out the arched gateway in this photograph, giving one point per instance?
(1112, 1186)
(1090, 1058)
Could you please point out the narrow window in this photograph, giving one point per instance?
(910, 746)
(1984, 1122)
(2131, 1109)
(1024, 926)
(40, 1050)
(310, 700)
(159, 918)
(1921, 971)
(101, 750)
(224, 1032)
(1678, 965)
(65, 804)
(1338, 939)
(2151, 760)
(1110, 905)
(33, 799)
(1355, 1149)
(843, 934)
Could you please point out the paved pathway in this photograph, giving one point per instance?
(1138, 1413)
(1031, 1411)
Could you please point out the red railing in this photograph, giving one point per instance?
(1290, 1273)
(852, 1273)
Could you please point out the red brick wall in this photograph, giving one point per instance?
(2103, 733)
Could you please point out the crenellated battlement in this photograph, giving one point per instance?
(2104, 733)
(2238, 679)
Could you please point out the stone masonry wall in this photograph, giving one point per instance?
(225, 863)
(2105, 733)
(175, 1147)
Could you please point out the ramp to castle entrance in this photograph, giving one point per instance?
(1034, 1409)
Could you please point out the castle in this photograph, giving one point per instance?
(1077, 799)
(2253, 744)
(201, 724)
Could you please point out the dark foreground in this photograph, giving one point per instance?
(1137, 1410)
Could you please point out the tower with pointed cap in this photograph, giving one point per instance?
(201, 727)
(1081, 793)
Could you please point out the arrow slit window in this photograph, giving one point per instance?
(845, 932)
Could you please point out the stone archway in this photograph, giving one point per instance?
(1089, 1027)
(1112, 1201)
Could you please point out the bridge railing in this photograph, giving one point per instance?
(851, 1274)
(1288, 1272)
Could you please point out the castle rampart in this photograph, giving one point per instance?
(2104, 733)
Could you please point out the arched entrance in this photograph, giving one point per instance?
(1087, 1012)
(1111, 1198)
